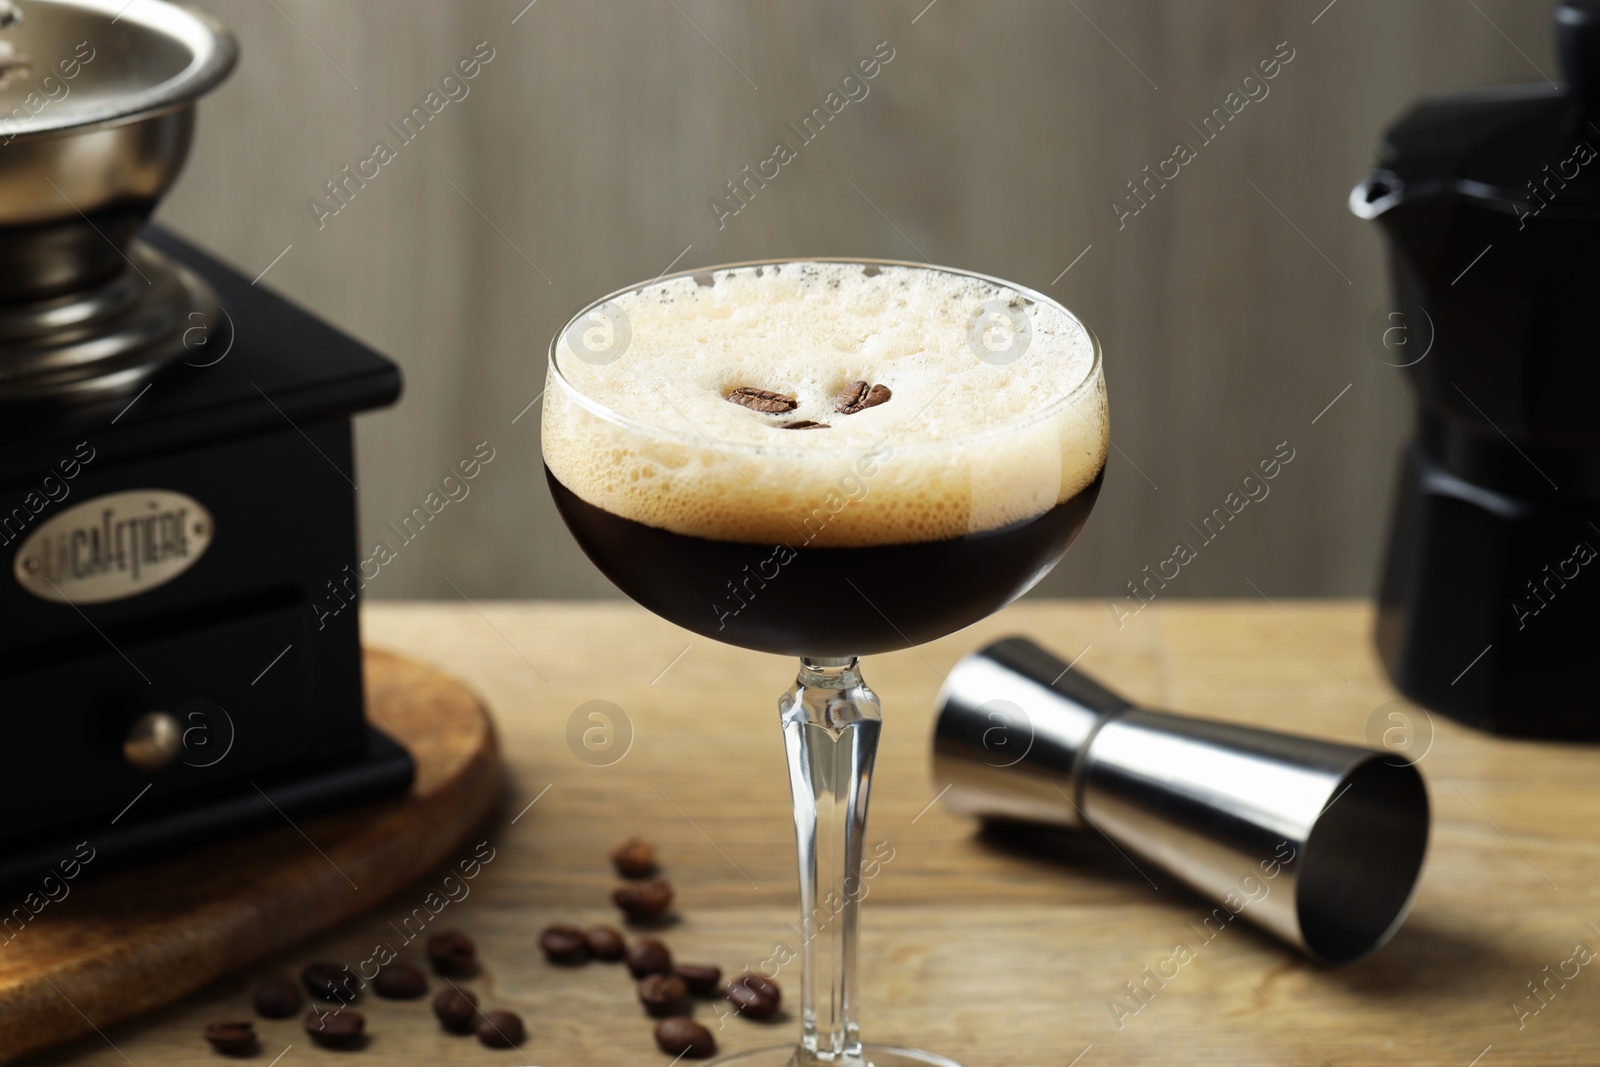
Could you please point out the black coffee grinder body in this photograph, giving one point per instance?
(1489, 607)
(179, 646)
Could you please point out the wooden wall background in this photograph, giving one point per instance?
(1232, 308)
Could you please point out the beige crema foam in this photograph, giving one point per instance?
(998, 410)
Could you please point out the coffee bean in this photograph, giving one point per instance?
(682, 1036)
(804, 424)
(702, 979)
(277, 996)
(456, 1010)
(644, 901)
(564, 944)
(330, 981)
(501, 1029)
(663, 994)
(755, 996)
(649, 956)
(857, 396)
(400, 981)
(233, 1039)
(452, 953)
(605, 943)
(634, 858)
(763, 400)
(335, 1029)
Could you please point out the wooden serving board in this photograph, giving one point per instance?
(133, 941)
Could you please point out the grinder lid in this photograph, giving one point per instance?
(1493, 146)
(73, 64)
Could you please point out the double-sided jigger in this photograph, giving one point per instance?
(1332, 836)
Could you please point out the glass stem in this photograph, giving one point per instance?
(830, 728)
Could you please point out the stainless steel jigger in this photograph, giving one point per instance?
(1320, 843)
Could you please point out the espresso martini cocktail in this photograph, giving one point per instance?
(822, 458)
(825, 459)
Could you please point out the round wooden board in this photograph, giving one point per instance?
(132, 941)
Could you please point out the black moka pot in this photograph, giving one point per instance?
(1490, 601)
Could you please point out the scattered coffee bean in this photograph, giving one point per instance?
(663, 994)
(682, 1036)
(330, 981)
(755, 996)
(233, 1039)
(649, 956)
(703, 980)
(335, 1029)
(564, 944)
(456, 1010)
(644, 901)
(400, 981)
(762, 400)
(804, 424)
(277, 996)
(605, 943)
(452, 953)
(634, 858)
(501, 1029)
(857, 396)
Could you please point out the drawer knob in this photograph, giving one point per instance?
(153, 741)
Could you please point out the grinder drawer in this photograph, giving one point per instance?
(240, 698)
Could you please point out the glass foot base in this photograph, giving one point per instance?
(871, 1056)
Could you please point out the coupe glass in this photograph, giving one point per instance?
(829, 604)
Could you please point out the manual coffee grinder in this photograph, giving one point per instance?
(179, 650)
(1490, 604)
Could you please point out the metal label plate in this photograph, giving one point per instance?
(113, 546)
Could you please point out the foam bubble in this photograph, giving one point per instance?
(997, 414)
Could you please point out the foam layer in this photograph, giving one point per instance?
(997, 410)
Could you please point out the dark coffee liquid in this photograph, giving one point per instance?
(823, 601)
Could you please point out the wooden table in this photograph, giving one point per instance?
(971, 949)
